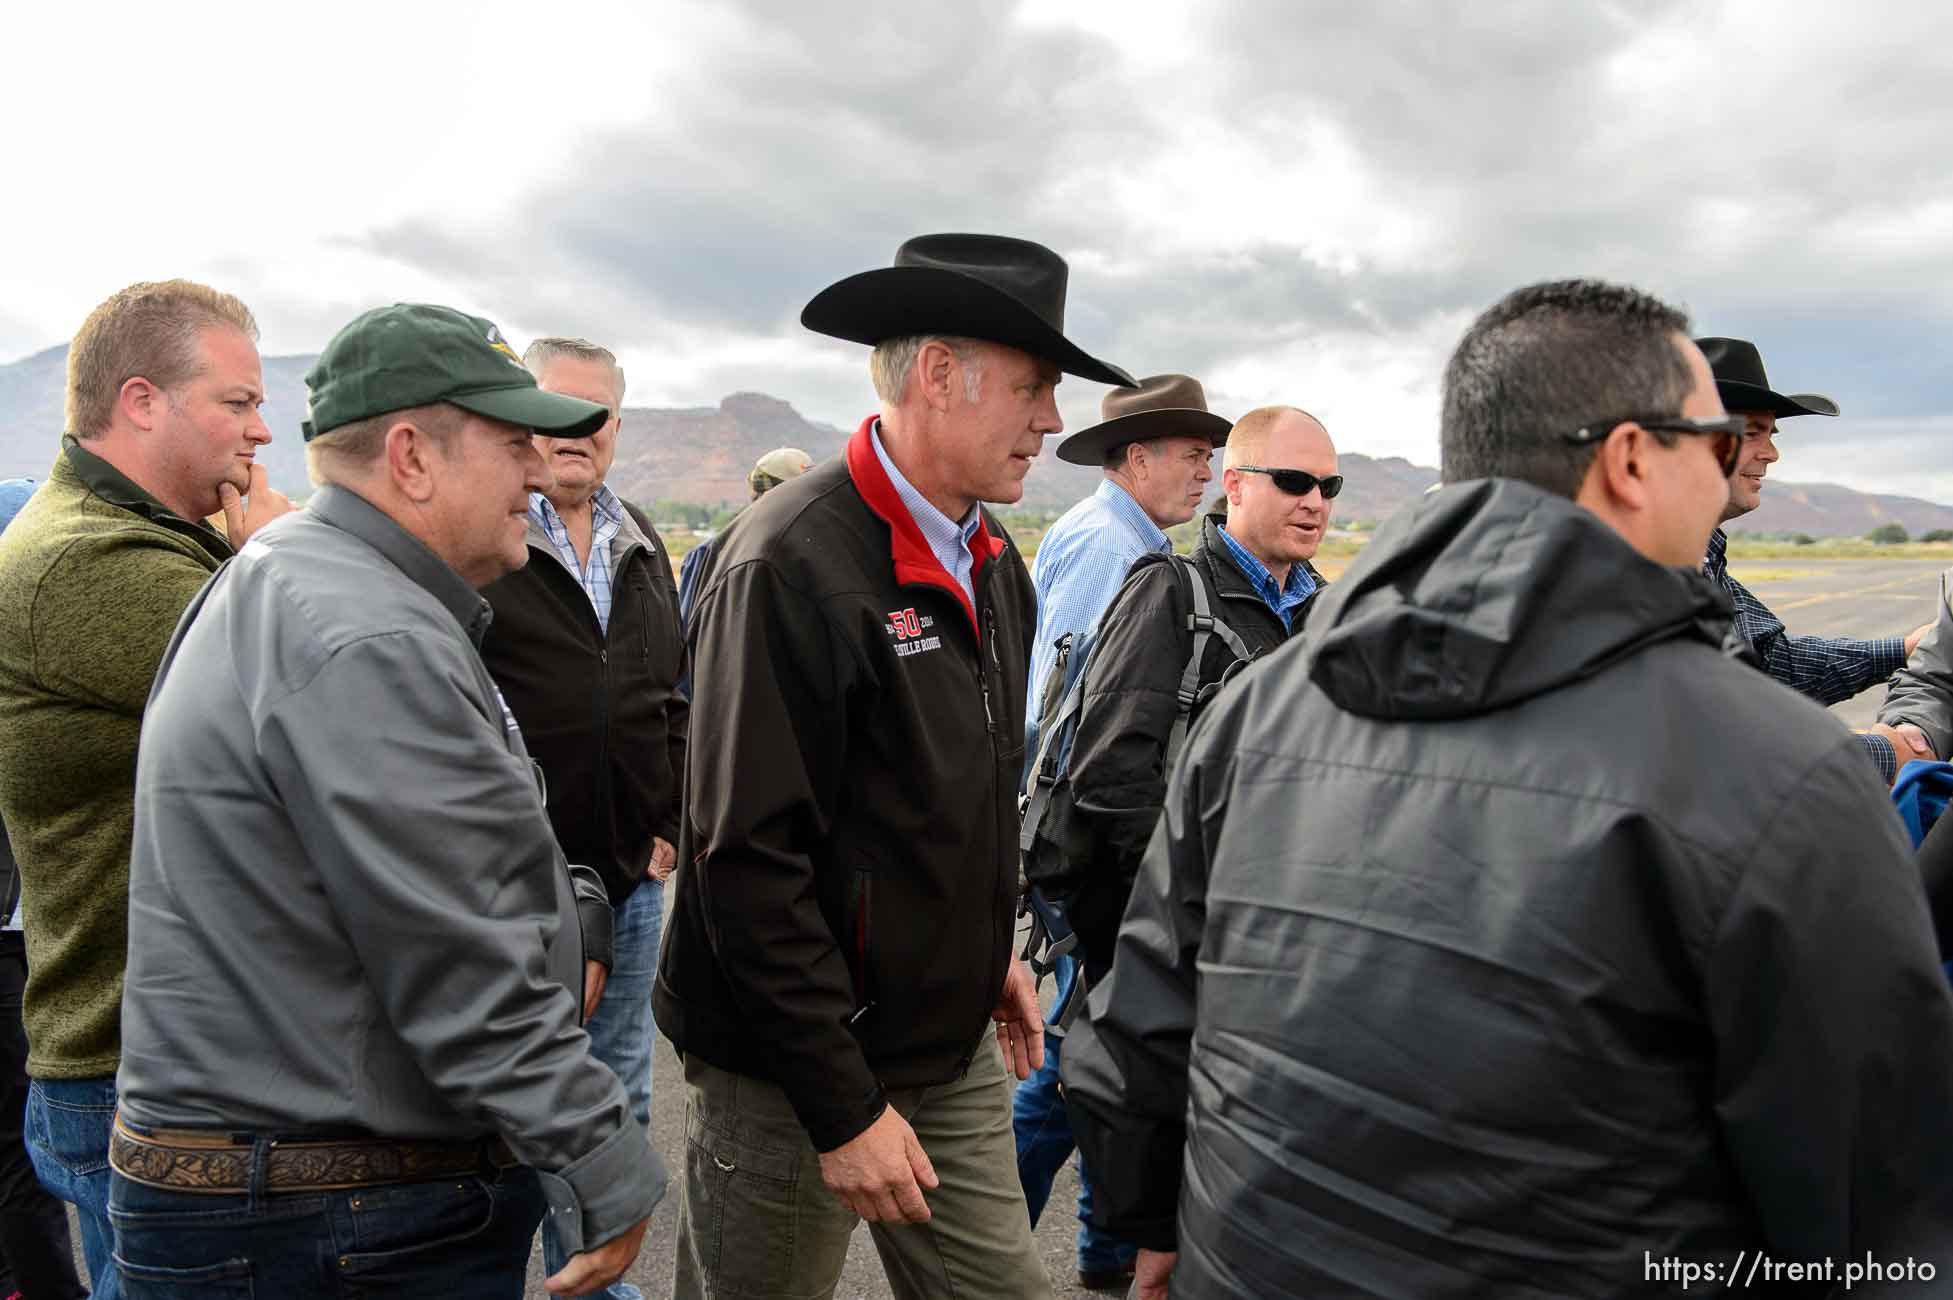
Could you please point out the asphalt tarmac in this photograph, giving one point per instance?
(1859, 598)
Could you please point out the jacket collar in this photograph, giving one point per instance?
(629, 537)
(113, 486)
(1227, 575)
(914, 561)
(350, 512)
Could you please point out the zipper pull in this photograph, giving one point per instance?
(989, 715)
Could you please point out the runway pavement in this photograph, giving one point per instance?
(1859, 598)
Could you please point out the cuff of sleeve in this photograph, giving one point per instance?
(606, 1192)
(1880, 751)
(598, 921)
(830, 1124)
(1888, 655)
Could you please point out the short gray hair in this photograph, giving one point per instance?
(545, 350)
(351, 449)
(1116, 456)
(892, 360)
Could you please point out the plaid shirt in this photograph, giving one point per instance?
(606, 517)
(1284, 598)
(1827, 669)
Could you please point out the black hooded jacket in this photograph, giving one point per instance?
(1537, 938)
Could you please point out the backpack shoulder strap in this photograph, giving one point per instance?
(1037, 792)
(1202, 621)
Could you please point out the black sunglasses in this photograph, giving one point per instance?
(1298, 482)
(1728, 433)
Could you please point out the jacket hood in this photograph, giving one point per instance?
(1489, 593)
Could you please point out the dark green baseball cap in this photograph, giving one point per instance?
(415, 354)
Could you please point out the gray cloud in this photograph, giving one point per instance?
(1775, 170)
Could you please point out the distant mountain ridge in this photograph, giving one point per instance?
(702, 453)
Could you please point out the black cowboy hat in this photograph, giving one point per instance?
(1008, 291)
(1161, 406)
(1740, 380)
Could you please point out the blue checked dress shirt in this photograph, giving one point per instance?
(606, 517)
(1827, 669)
(948, 539)
(1284, 598)
(1080, 566)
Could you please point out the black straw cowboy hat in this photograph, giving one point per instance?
(1744, 387)
(1161, 406)
(991, 287)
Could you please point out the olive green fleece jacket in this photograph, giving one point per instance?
(94, 574)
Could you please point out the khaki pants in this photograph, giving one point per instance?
(755, 1220)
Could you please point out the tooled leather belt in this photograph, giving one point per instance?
(195, 1160)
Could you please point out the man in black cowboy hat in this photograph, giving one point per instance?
(1828, 669)
(1155, 445)
(839, 947)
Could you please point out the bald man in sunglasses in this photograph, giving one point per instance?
(1281, 481)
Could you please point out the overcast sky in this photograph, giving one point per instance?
(1296, 202)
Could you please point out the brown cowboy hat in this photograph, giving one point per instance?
(1743, 386)
(1161, 406)
(1008, 291)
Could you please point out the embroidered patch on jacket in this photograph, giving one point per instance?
(907, 630)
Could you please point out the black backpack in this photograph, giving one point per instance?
(1054, 849)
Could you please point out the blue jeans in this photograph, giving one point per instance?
(621, 1031)
(68, 1122)
(1044, 1143)
(461, 1238)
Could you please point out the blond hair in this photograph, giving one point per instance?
(350, 450)
(1247, 442)
(148, 331)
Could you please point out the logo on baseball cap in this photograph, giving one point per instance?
(415, 354)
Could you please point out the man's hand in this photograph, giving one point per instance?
(881, 1172)
(1152, 1271)
(1020, 1024)
(1914, 637)
(593, 1270)
(664, 860)
(1908, 742)
(245, 515)
(595, 976)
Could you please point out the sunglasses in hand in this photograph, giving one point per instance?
(1297, 482)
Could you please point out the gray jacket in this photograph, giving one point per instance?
(1922, 691)
(348, 911)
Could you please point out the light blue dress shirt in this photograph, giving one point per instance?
(1080, 565)
(948, 539)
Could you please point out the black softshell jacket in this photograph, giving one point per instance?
(1132, 685)
(599, 707)
(847, 878)
(1507, 934)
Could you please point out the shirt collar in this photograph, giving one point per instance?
(938, 527)
(605, 507)
(1124, 507)
(1298, 586)
(350, 512)
(118, 489)
(1718, 554)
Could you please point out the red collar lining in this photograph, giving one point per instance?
(915, 561)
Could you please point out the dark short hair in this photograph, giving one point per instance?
(1115, 457)
(1548, 359)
